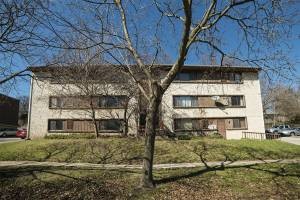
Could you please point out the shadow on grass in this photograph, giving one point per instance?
(281, 172)
(281, 181)
(62, 183)
(94, 151)
(216, 150)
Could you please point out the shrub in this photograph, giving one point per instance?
(71, 136)
(215, 135)
(184, 137)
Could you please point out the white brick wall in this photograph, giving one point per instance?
(250, 88)
(42, 89)
(40, 112)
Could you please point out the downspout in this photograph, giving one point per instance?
(29, 109)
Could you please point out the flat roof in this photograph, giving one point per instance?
(162, 66)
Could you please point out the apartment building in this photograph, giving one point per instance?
(201, 100)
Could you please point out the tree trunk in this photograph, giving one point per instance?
(150, 133)
(96, 131)
(125, 131)
(95, 126)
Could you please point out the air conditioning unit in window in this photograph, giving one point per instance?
(223, 101)
(215, 98)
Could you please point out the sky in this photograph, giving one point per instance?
(229, 34)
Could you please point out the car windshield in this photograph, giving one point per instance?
(275, 126)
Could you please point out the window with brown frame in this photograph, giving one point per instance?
(236, 123)
(83, 102)
(55, 125)
(208, 123)
(232, 77)
(207, 101)
(74, 125)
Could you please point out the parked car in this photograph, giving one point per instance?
(289, 132)
(4, 132)
(277, 129)
(21, 133)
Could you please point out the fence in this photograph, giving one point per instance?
(260, 136)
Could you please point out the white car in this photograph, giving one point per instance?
(276, 129)
(4, 132)
(290, 132)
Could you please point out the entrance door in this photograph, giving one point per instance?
(221, 127)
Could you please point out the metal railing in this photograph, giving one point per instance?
(260, 136)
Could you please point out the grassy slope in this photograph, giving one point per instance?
(129, 151)
(267, 181)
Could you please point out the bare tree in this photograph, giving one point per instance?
(82, 73)
(19, 35)
(133, 34)
(280, 100)
(127, 31)
(194, 29)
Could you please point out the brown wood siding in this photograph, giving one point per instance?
(206, 102)
(221, 127)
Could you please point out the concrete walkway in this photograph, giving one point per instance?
(157, 166)
(292, 140)
(9, 139)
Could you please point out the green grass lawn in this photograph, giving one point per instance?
(130, 150)
(265, 181)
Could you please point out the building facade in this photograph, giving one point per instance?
(202, 100)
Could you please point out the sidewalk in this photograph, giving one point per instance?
(291, 140)
(156, 166)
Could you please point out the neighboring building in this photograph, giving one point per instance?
(202, 99)
(272, 119)
(9, 109)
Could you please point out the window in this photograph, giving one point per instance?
(237, 123)
(236, 101)
(84, 102)
(192, 124)
(110, 124)
(238, 77)
(185, 101)
(209, 123)
(233, 77)
(55, 125)
(207, 101)
(55, 102)
(183, 77)
(111, 101)
(76, 125)
(183, 124)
